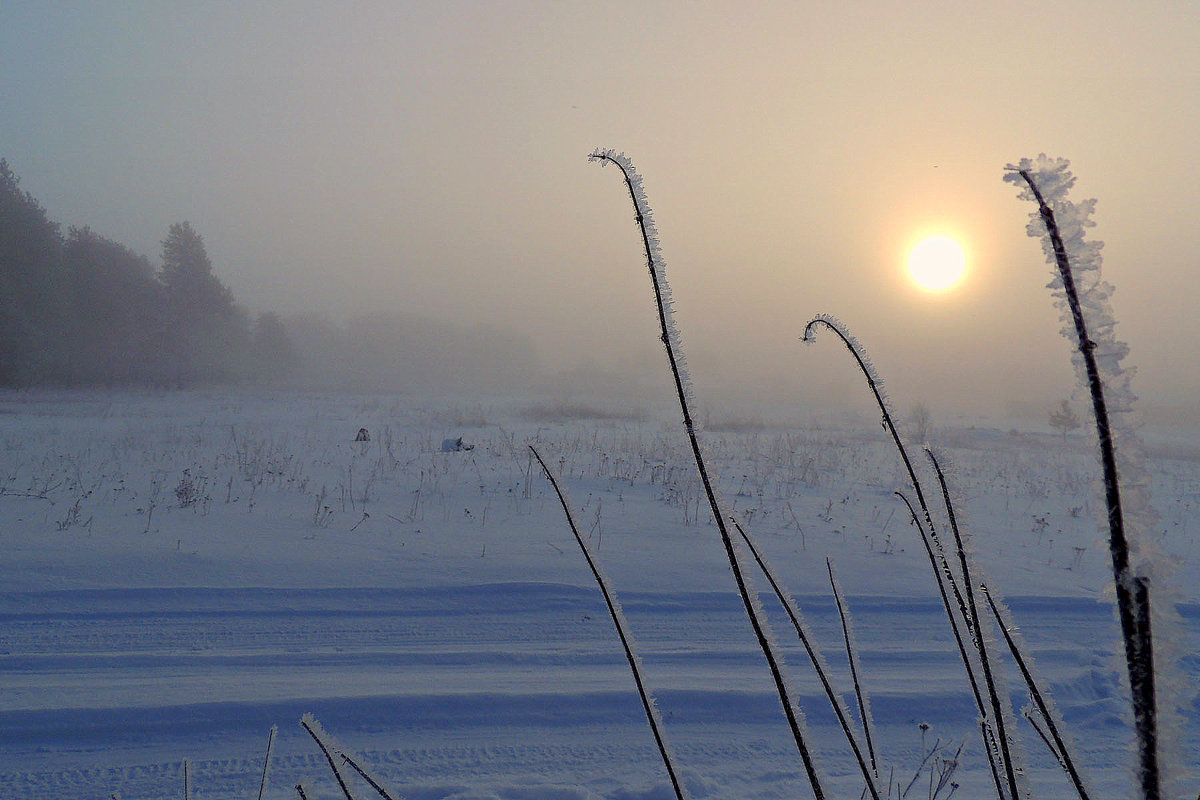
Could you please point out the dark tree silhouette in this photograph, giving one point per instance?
(115, 328)
(187, 274)
(32, 287)
(207, 336)
(87, 310)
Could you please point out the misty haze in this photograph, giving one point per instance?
(343, 367)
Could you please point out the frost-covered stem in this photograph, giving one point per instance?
(818, 662)
(1131, 591)
(187, 780)
(980, 643)
(958, 638)
(300, 791)
(1033, 723)
(614, 611)
(365, 776)
(760, 633)
(328, 757)
(864, 709)
(969, 620)
(989, 742)
(873, 383)
(262, 787)
(1059, 748)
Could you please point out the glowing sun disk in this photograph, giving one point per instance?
(937, 263)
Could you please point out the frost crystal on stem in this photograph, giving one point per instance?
(683, 389)
(1083, 298)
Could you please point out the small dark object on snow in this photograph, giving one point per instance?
(363, 436)
(455, 445)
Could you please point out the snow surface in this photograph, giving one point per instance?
(180, 572)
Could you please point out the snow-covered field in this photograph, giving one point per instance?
(180, 572)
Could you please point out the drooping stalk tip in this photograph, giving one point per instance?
(682, 382)
(943, 574)
(875, 384)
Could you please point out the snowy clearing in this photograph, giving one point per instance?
(183, 571)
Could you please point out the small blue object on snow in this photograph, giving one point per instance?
(454, 445)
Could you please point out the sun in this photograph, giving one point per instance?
(937, 263)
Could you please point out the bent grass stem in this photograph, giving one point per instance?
(852, 659)
(614, 611)
(790, 709)
(814, 655)
(970, 620)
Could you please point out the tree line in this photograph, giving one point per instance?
(80, 309)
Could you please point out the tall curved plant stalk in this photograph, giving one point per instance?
(1046, 182)
(329, 748)
(618, 618)
(670, 339)
(991, 709)
(941, 566)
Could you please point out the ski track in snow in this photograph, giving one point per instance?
(452, 639)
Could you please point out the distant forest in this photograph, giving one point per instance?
(80, 309)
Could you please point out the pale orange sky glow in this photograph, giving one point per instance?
(430, 158)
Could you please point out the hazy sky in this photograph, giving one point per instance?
(431, 158)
